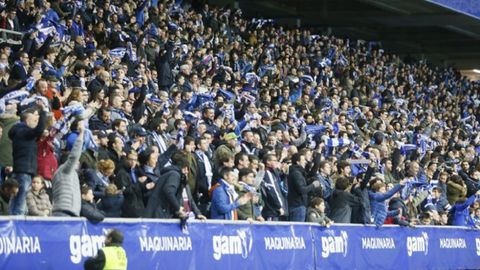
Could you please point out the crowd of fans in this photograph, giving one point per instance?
(165, 109)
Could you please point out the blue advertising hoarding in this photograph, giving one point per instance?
(150, 244)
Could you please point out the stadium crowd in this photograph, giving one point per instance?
(173, 109)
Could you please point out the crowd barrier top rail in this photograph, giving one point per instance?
(217, 221)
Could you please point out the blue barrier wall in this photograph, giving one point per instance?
(54, 243)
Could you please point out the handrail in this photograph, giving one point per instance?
(5, 32)
(212, 221)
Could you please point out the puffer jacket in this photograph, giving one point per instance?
(38, 203)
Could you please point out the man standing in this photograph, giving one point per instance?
(225, 199)
(298, 189)
(112, 256)
(272, 196)
(204, 175)
(24, 136)
(227, 149)
(171, 196)
(66, 185)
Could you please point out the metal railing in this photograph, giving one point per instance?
(12, 37)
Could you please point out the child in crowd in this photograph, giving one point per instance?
(316, 212)
(38, 201)
(112, 203)
(89, 207)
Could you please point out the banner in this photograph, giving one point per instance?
(393, 247)
(55, 243)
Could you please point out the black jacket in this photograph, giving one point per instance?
(341, 204)
(362, 213)
(164, 72)
(133, 205)
(111, 205)
(201, 186)
(272, 195)
(96, 124)
(109, 154)
(167, 198)
(18, 73)
(297, 187)
(90, 211)
(24, 145)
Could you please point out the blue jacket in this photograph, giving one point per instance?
(222, 206)
(378, 206)
(460, 212)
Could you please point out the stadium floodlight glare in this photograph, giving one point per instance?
(476, 70)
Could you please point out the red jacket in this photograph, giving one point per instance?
(47, 162)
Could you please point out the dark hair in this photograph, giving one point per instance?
(322, 164)
(116, 236)
(116, 123)
(342, 164)
(74, 125)
(243, 172)
(199, 140)
(238, 157)
(188, 140)
(267, 158)
(10, 183)
(384, 161)
(225, 170)
(144, 156)
(297, 157)
(253, 157)
(180, 160)
(23, 116)
(111, 139)
(342, 183)
(225, 158)
(316, 201)
(102, 110)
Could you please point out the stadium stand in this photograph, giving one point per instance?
(174, 110)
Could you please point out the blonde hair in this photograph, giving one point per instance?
(111, 189)
(378, 185)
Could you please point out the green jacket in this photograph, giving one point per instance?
(248, 210)
(7, 121)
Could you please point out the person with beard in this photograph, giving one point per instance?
(227, 149)
(101, 121)
(208, 117)
(7, 192)
(171, 197)
(247, 145)
(101, 82)
(158, 136)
